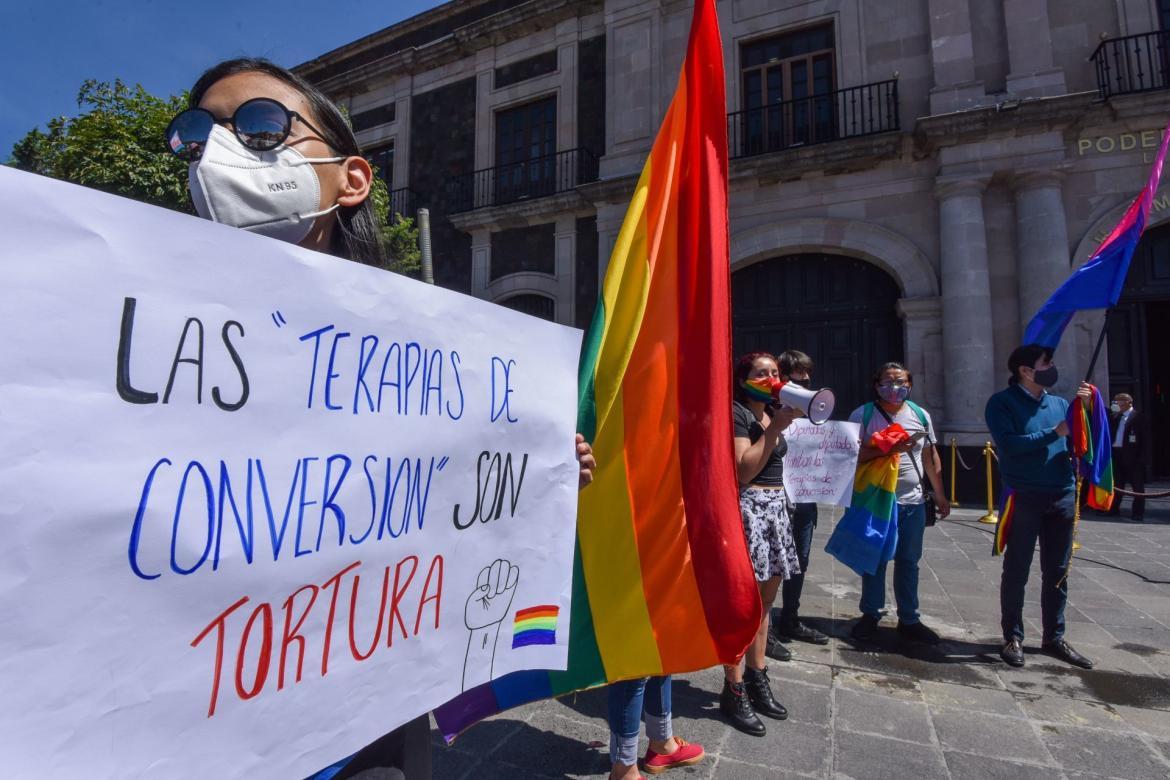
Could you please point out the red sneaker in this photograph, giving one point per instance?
(685, 755)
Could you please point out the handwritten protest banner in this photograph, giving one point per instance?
(260, 505)
(821, 461)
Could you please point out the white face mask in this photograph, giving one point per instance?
(1115, 408)
(276, 194)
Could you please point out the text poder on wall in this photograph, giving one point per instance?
(261, 505)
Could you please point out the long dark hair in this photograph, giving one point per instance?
(743, 369)
(355, 234)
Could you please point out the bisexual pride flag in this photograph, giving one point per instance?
(1097, 284)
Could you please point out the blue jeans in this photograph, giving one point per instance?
(1049, 518)
(627, 702)
(804, 520)
(911, 525)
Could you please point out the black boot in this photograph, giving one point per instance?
(775, 648)
(737, 707)
(759, 690)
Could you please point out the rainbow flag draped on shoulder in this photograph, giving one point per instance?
(662, 582)
(867, 533)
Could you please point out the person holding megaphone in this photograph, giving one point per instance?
(759, 461)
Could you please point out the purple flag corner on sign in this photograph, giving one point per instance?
(1097, 284)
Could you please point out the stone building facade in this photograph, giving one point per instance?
(910, 179)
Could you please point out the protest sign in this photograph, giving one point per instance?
(261, 505)
(821, 461)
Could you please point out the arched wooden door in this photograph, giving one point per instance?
(839, 310)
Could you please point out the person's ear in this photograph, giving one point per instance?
(357, 178)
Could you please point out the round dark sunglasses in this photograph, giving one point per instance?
(261, 124)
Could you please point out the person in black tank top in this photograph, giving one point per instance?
(759, 462)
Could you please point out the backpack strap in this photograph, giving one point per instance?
(866, 416)
(921, 418)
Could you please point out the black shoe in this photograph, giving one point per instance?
(1064, 651)
(917, 632)
(776, 649)
(1013, 653)
(759, 690)
(737, 708)
(801, 633)
(864, 629)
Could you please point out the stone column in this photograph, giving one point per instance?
(952, 55)
(968, 346)
(922, 320)
(1042, 253)
(1029, 36)
(1043, 262)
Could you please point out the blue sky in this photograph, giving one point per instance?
(48, 47)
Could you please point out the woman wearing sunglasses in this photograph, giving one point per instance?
(270, 154)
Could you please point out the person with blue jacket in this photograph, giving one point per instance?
(1030, 429)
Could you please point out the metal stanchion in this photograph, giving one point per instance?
(954, 464)
(992, 517)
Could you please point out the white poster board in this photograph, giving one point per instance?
(821, 461)
(261, 505)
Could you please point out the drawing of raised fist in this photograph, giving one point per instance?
(489, 603)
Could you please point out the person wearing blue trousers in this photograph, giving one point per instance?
(630, 703)
(918, 463)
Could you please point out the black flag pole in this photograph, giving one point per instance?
(1097, 349)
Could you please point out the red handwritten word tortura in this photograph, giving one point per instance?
(300, 616)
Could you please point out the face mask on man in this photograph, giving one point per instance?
(276, 193)
(1046, 377)
(1115, 407)
(893, 394)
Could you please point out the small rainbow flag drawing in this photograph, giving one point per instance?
(535, 626)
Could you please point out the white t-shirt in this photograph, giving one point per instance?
(909, 486)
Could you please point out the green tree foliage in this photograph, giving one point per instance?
(399, 233)
(115, 144)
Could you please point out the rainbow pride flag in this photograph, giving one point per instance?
(1003, 527)
(535, 626)
(1088, 426)
(662, 582)
(867, 533)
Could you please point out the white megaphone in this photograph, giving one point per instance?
(817, 405)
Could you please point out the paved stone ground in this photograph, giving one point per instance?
(952, 712)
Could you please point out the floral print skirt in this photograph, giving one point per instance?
(768, 530)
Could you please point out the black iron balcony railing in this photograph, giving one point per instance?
(833, 116)
(1135, 63)
(535, 178)
(403, 201)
